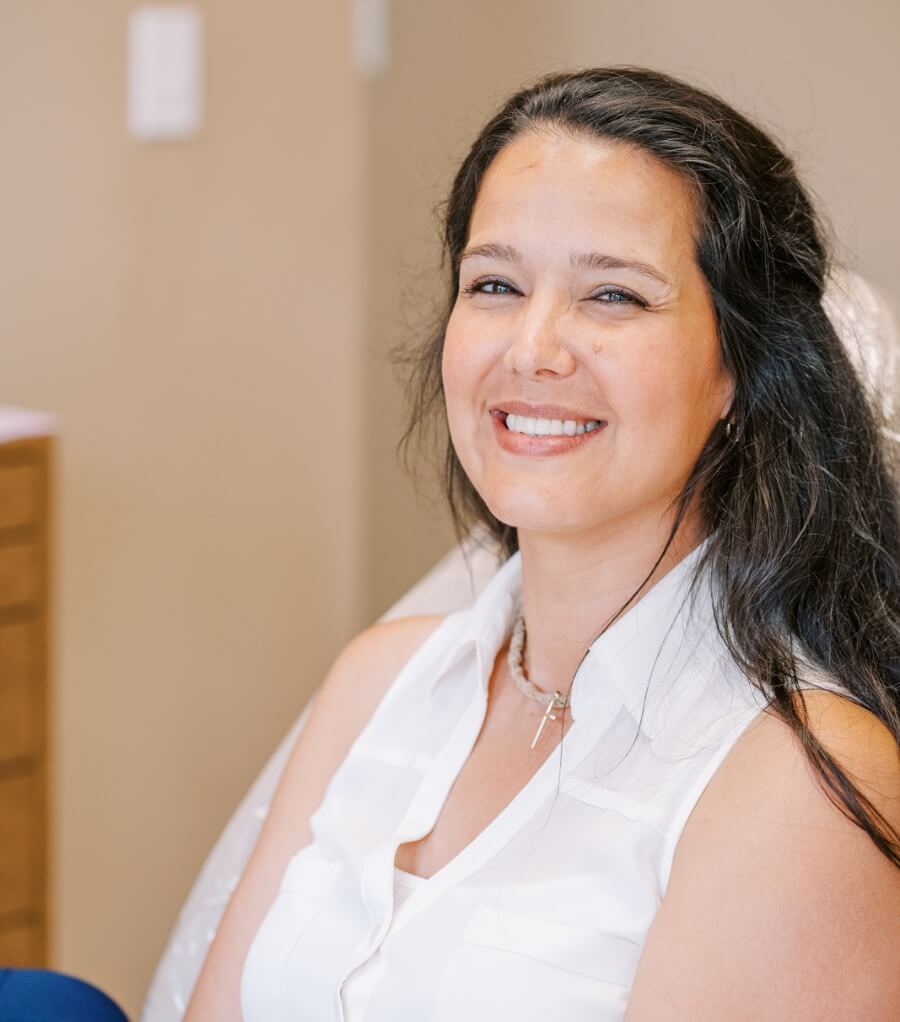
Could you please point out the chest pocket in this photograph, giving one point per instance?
(510, 965)
(647, 807)
(309, 873)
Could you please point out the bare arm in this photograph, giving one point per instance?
(778, 907)
(342, 706)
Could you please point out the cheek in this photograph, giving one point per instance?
(465, 361)
(670, 395)
(452, 362)
(459, 375)
(453, 375)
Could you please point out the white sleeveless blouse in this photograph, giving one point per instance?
(544, 914)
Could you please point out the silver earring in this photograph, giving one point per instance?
(729, 430)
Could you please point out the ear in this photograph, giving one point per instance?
(725, 393)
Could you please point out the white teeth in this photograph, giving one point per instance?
(549, 427)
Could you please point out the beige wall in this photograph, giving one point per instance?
(192, 311)
(196, 313)
(825, 76)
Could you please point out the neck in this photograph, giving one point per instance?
(572, 586)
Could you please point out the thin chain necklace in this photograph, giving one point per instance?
(514, 659)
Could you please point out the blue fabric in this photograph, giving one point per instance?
(37, 995)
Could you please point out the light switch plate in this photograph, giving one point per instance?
(165, 72)
(371, 50)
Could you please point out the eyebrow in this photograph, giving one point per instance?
(579, 260)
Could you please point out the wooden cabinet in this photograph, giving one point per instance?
(26, 462)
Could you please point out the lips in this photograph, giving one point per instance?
(544, 445)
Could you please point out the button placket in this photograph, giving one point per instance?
(421, 816)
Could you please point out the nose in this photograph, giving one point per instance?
(537, 345)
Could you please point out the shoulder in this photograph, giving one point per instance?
(769, 753)
(778, 905)
(347, 698)
(366, 667)
(392, 642)
(860, 741)
(375, 656)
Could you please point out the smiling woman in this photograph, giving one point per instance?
(654, 766)
(547, 329)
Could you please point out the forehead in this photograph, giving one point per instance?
(571, 192)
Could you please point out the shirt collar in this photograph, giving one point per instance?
(486, 622)
(670, 628)
(633, 662)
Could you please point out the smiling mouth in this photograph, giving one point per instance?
(529, 426)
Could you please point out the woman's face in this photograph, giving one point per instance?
(581, 311)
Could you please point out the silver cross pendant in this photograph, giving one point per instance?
(556, 700)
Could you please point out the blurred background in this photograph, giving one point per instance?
(208, 315)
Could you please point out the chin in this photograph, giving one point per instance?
(535, 512)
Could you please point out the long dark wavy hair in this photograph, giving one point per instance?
(800, 505)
